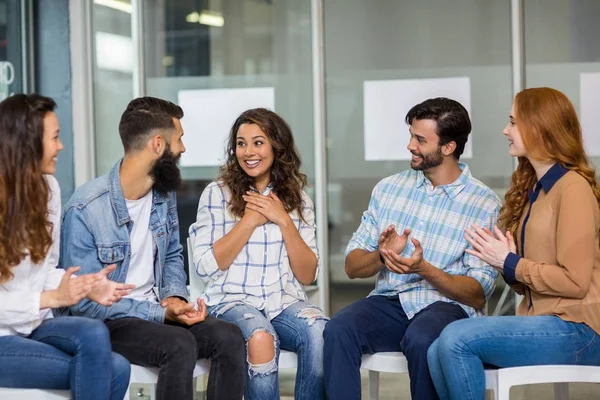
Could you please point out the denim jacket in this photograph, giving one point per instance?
(95, 233)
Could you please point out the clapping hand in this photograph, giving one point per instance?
(493, 248)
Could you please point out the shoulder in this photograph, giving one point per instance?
(90, 192)
(215, 190)
(54, 201)
(481, 195)
(403, 179)
(573, 185)
(307, 200)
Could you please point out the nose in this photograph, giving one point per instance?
(412, 145)
(505, 130)
(60, 145)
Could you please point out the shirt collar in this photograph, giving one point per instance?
(552, 176)
(264, 192)
(451, 189)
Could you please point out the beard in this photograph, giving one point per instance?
(428, 161)
(165, 173)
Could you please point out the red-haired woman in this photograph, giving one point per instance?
(550, 253)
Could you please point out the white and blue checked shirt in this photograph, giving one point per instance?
(437, 218)
(260, 275)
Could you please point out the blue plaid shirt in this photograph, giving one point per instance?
(437, 217)
(260, 275)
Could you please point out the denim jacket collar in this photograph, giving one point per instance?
(117, 197)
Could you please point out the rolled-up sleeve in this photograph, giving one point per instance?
(308, 229)
(207, 230)
(479, 270)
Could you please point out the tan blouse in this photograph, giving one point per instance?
(559, 272)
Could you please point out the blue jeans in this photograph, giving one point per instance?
(377, 324)
(65, 353)
(457, 358)
(299, 328)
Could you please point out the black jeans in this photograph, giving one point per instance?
(175, 349)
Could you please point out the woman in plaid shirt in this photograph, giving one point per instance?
(254, 244)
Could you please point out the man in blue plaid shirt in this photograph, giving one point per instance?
(411, 236)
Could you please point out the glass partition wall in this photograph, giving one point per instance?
(315, 56)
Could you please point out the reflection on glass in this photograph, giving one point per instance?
(113, 76)
(407, 40)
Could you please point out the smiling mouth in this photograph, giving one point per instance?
(252, 163)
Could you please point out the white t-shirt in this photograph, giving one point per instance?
(141, 264)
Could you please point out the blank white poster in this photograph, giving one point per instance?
(387, 102)
(209, 115)
(589, 92)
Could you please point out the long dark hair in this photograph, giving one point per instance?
(24, 226)
(286, 178)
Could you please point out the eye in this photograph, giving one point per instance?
(420, 140)
(240, 144)
(258, 143)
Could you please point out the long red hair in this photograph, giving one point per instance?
(551, 132)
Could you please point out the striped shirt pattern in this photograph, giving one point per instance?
(260, 275)
(437, 218)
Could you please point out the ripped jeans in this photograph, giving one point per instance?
(299, 328)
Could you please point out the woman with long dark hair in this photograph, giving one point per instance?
(254, 244)
(549, 252)
(36, 350)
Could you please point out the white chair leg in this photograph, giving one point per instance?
(373, 385)
(503, 392)
(561, 391)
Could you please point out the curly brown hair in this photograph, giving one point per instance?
(551, 132)
(24, 226)
(286, 178)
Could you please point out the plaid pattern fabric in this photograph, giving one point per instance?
(260, 275)
(437, 218)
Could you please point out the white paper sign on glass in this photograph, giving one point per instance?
(589, 105)
(209, 115)
(386, 103)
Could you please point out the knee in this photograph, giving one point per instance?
(433, 353)
(261, 348)
(452, 338)
(335, 329)
(417, 342)
(230, 341)
(92, 332)
(121, 368)
(230, 336)
(181, 348)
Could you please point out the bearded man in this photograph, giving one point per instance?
(129, 218)
(411, 236)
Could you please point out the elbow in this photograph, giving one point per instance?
(578, 291)
(479, 303)
(350, 272)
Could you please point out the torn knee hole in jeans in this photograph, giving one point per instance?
(262, 369)
(311, 314)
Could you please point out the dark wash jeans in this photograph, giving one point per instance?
(175, 348)
(377, 324)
